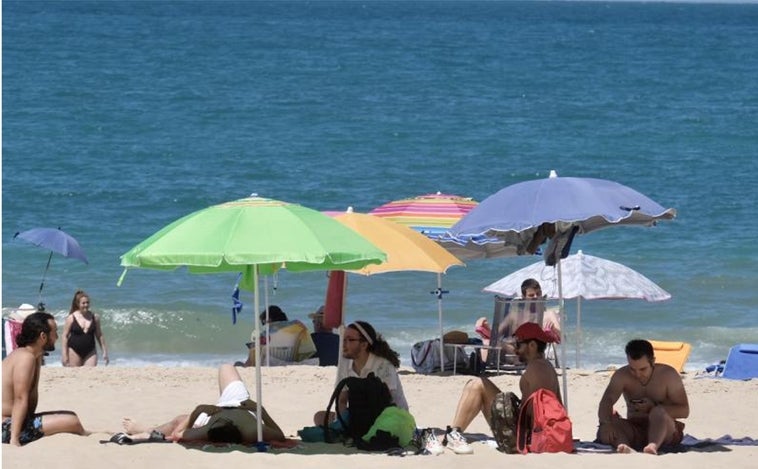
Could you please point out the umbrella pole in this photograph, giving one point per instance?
(268, 327)
(258, 384)
(578, 330)
(44, 274)
(439, 314)
(562, 315)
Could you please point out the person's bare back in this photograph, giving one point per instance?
(20, 373)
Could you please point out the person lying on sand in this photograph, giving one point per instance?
(232, 420)
(655, 398)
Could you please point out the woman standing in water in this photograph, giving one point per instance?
(80, 330)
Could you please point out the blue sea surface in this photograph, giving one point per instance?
(120, 117)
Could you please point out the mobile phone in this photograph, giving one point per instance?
(637, 401)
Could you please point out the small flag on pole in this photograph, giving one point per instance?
(237, 304)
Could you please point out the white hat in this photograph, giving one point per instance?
(22, 312)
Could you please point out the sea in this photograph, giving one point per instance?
(119, 117)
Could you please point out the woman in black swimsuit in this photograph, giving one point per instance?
(81, 329)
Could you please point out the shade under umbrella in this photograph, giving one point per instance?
(527, 214)
(406, 249)
(253, 235)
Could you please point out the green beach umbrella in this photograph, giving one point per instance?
(254, 236)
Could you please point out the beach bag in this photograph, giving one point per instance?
(543, 425)
(505, 416)
(394, 428)
(425, 357)
(367, 398)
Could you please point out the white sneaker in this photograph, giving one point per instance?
(431, 443)
(456, 443)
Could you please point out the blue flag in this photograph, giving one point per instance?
(237, 304)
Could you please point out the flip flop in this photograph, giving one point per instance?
(156, 436)
(119, 438)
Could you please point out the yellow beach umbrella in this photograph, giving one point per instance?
(406, 249)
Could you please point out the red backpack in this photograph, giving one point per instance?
(549, 428)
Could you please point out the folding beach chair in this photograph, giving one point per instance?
(674, 354)
(742, 362)
(509, 314)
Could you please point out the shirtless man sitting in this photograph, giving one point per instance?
(479, 393)
(21, 371)
(655, 397)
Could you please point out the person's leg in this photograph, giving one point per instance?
(227, 374)
(318, 417)
(90, 360)
(661, 429)
(62, 421)
(477, 396)
(619, 433)
(74, 359)
(137, 430)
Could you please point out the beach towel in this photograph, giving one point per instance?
(689, 443)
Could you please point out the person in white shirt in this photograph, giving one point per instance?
(366, 352)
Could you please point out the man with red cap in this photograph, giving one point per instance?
(479, 393)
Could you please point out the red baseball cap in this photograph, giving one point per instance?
(533, 331)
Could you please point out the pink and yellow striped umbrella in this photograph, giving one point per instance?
(430, 214)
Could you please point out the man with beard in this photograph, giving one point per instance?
(479, 393)
(21, 371)
(655, 400)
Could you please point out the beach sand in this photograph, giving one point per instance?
(102, 396)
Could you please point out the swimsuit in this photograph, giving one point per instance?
(83, 343)
(31, 430)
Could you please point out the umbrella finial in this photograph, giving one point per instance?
(553, 174)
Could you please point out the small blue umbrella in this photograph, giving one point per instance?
(54, 240)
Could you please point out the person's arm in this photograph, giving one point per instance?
(610, 396)
(64, 339)
(191, 434)
(23, 381)
(179, 430)
(101, 338)
(677, 405)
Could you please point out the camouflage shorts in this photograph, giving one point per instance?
(505, 410)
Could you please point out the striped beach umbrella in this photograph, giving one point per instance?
(430, 214)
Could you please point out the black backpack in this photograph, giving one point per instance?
(367, 398)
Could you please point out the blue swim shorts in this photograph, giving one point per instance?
(31, 430)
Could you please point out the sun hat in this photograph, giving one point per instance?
(22, 312)
(533, 331)
(319, 314)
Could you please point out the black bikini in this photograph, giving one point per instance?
(83, 343)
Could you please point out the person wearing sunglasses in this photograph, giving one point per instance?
(364, 351)
(479, 393)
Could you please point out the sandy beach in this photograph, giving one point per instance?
(102, 396)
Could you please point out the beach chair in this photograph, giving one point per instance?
(742, 362)
(290, 342)
(510, 313)
(674, 354)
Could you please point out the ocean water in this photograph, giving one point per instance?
(120, 117)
